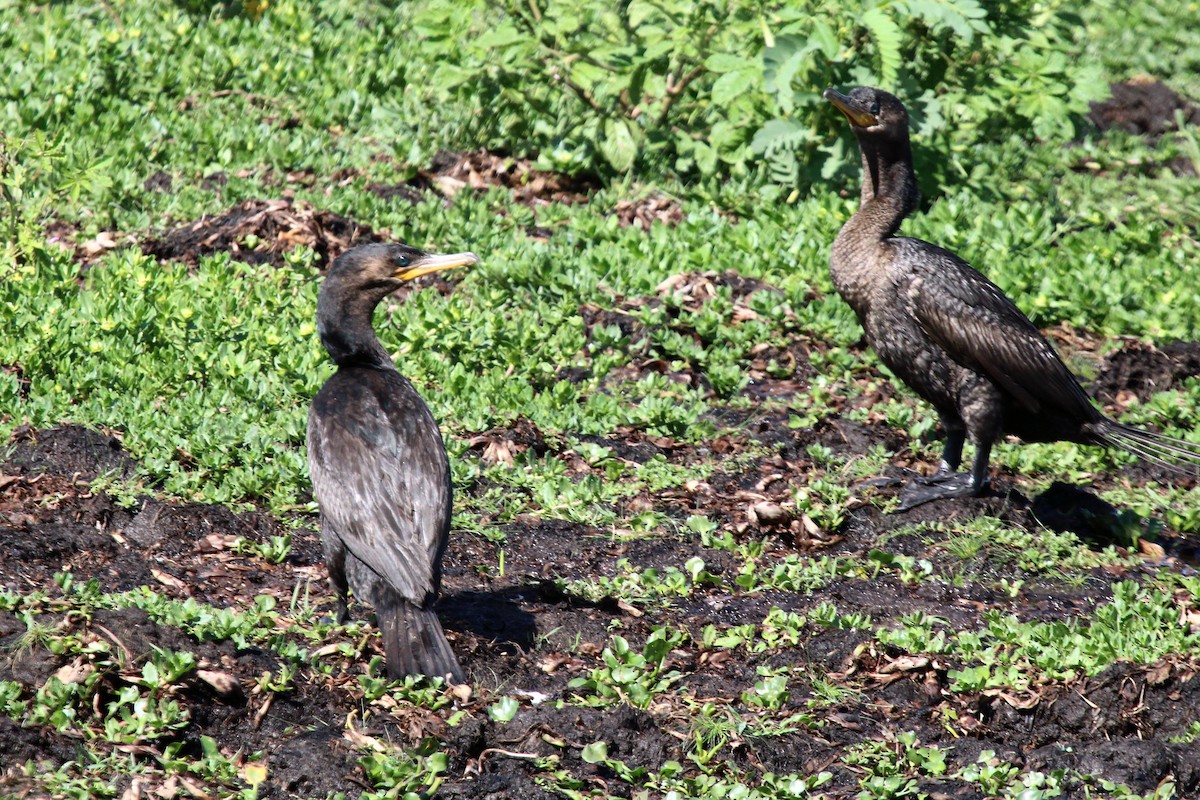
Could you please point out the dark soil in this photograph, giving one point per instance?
(260, 232)
(1144, 106)
(1138, 371)
(519, 633)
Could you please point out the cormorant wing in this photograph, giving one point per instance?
(980, 328)
(381, 476)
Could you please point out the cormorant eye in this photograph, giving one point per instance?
(403, 261)
(875, 108)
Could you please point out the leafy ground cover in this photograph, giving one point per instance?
(674, 571)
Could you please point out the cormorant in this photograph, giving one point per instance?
(950, 333)
(379, 467)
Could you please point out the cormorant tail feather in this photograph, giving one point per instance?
(1167, 451)
(414, 642)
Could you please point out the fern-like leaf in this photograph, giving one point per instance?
(887, 37)
(964, 17)
(780, 142)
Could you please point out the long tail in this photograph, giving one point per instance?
(414, 641)
(1174, 454)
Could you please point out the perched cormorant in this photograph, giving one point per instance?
(950, 333)
(378, 464)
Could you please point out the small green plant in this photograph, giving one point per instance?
(770, 692)
(504, 709)
(274, 551)
(630, 676)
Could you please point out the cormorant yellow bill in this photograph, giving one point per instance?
(434, 262)
(854, 110)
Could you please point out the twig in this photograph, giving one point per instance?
(673, 91)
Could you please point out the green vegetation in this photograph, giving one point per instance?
(696, 387)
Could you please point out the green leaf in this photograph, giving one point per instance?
(778, 133)
(499, 37)
(727, 62)
(504, 709)
(887, 37)
(964, 17)
(639, 11)
(618, 146)
(595, 753)
(732, 85)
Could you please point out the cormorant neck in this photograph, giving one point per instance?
(889, 188)
(344, 325)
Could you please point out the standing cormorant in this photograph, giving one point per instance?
(950, 333)
(378, 465)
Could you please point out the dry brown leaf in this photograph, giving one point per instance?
(1158, 673)
(552, 662)
(1151, 550)
(632, 611)
(75, 672)
(224, 684)
(166, 579)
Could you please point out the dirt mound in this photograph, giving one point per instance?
(70, 451)
(1139, 370)
(260, 232)
(451, 172)
(1145, 106)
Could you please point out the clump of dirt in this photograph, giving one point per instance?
(69, 451)
(646, 211)
(260, 232)
(501, 445)
(1137, 371)
(451, 172)
(1145, 106)
(160, 181)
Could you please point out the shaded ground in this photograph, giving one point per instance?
(520, 633)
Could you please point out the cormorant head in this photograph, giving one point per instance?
(386, 266)
(872, 112)
(357, 281)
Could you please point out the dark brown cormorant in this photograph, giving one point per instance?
(950, 333)
(378, 465)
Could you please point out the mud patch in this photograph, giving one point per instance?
(451, 172)
(1145, 106)
(260, 232)
(1137, 371)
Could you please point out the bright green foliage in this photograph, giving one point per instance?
(629, 676)
(968, 71)
(396, 773)
(1139, 624)
(601, 88)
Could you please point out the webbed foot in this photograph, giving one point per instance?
(939, 486)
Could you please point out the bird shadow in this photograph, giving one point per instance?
(495, 616)
(1066, 507)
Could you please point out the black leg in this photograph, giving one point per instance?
(947, 483)
(335, 563)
